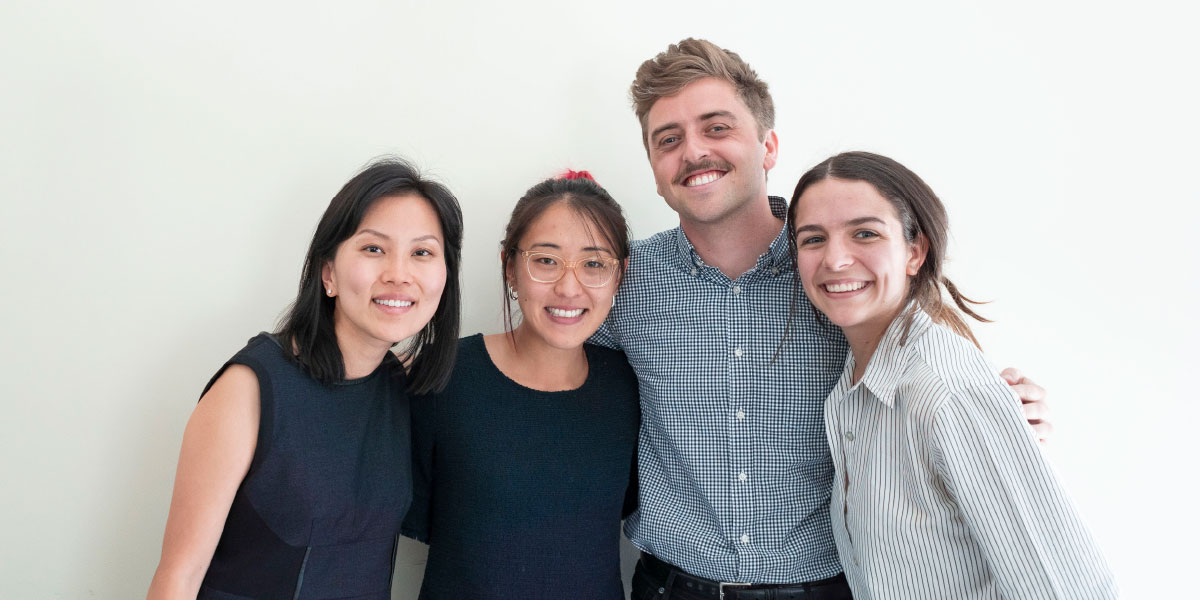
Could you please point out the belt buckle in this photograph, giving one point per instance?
(722, 585)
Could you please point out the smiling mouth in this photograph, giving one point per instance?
(845, 287)
(703, 178)
(393, 303)
(566, 314)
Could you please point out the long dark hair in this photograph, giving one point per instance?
(920, 211)
(586, 198)
(308, 324)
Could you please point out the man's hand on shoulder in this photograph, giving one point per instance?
(1033, 402)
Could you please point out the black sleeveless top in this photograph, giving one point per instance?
(319, 510)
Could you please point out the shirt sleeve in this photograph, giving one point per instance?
(424, 429)
(605, 336)
(1018, 513)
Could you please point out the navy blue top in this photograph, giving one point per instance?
(520, 492)
(319, 510)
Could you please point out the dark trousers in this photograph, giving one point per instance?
(654, 579)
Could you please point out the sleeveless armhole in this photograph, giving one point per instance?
(266, 403)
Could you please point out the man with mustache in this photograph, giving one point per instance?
(734, 468)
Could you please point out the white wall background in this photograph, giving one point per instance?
(162, 165)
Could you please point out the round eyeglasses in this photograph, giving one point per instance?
(591, 271)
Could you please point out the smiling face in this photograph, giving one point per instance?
(387, 278)
(708, 159)
(852, 256)
(565, 313)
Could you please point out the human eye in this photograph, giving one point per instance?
(422, 252)
(548, 260)
(810, 240)
(667, 140)
(372, 249)
(865, 234)
(719, 128)
(595, 263)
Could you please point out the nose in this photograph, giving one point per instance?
(695, 148)
(398, 270)
(838, 255)
(568, 285)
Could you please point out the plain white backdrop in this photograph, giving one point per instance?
(163, 164)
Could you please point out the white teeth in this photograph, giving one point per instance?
(395, 303)
(702, 179)
(558, 312)
(845, 287)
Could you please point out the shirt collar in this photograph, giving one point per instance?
(886, 365)
(778, 255)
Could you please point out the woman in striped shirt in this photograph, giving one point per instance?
(940, 489)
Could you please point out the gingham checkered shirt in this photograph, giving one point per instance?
(733, 466)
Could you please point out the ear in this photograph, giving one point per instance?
(917, 251)
(327, 279)
(509, 280)
(624, 269)
(771, 142)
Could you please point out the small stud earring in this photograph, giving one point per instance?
(329, 291)
(512, 293)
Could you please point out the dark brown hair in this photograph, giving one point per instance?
(691, 60)
(590, 201)
(920, 212)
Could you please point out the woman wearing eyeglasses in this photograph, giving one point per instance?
(522, 465)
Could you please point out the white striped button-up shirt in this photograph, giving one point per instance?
(940, 489)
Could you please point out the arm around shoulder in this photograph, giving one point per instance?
(1012, 501)
(218, 446)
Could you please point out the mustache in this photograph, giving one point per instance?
(690, 168)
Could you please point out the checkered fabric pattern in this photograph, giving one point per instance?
(734, 468)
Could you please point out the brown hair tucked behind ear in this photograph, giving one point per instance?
(920, 211)
(691, 60)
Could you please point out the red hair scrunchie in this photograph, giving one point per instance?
(571, 174)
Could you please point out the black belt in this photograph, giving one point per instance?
(690, 584)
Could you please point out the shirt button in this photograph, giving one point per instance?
(774, 270)
(856, 561)
(741, 414)
(849, 436)
(693, 271)
(737, 289)
(738, 352)
(745, 538)
(742, 476)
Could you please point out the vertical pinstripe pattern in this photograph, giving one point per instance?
(940, 489)
(734, 469)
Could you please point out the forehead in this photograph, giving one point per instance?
(405, 212)
(833, 199)
(696, 99)
(563, 226)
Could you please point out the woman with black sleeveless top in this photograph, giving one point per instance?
(294, 473)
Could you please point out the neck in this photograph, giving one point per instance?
(360, 357)
(734, 244)
(864, 341)
(527, 360)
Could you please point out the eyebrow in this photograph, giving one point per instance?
(667, 127)
(861, 220)
(557, 247)
(385, 236)
(704, 117)
(850, 223)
